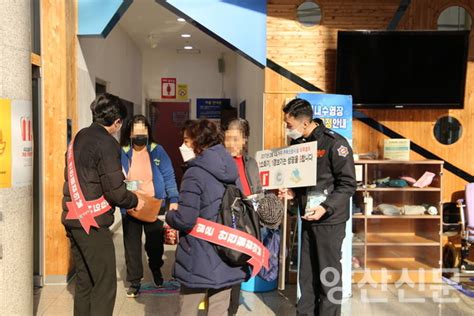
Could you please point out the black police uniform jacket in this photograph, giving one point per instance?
(335, 175)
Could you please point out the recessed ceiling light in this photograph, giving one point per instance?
(185, 35)
(188, 51)
(188, 47)
(181, 20)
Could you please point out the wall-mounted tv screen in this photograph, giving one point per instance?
(402, 69)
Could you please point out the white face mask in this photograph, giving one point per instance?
(186, 152)
(293, 133)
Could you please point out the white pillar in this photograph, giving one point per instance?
(16, 208)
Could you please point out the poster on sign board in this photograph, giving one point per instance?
(288, 167)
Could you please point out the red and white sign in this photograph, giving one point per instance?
(168, 88)
(234, 239)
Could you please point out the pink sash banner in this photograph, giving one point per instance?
(79, 208)
(234, 239)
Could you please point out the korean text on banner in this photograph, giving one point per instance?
(234, 239)
(288, 167)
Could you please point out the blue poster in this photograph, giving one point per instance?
(334, 109)
(336, 112)
(210, 108)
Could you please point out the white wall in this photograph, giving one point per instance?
(242, 81)
(116, 60)
(198, 71)
(250, 86)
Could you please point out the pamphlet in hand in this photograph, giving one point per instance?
(314, 199)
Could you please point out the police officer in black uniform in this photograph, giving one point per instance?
(323, 228)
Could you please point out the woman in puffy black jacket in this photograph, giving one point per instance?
(198, 267)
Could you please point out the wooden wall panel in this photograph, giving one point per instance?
(310, 52)
(71, 61)
(58, 20)
(276, 83)
(274, 132)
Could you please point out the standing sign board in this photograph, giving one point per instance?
(288, 167)
(336, 112)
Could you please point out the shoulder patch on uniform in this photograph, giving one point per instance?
(157, 161)
(342, 151)
(330, 133)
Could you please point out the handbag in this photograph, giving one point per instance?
(170, 235)
(149, 212)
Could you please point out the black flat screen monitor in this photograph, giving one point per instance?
(402, 69)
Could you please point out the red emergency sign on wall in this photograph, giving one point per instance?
(168, 88)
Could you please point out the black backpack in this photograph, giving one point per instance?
(237, 212)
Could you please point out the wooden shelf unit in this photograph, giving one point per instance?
(399, 189)
(376, 239)
(390, 248)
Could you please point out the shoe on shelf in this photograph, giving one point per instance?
(158, 279)
(133, 291)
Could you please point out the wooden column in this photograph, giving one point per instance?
(58, 52)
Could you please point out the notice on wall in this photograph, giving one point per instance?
(5, 144)
(183, 91)
(396, 149)
(211, 109)
(16, 143)
(168, 88)
(288, 167)
(22, 143)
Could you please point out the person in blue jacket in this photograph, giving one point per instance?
(147, 163)
(198, 267)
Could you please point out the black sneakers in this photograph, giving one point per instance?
(133, 291)
(158, 279)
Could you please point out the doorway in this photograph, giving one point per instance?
(167, 118)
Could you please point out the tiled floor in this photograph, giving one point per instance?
(58, 300)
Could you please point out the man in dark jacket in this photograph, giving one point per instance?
(96, 156)
(324, 210)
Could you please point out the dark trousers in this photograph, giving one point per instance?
(321, 294)
(96, 279)
(189, 299)
(234, 299)
(132, 239)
